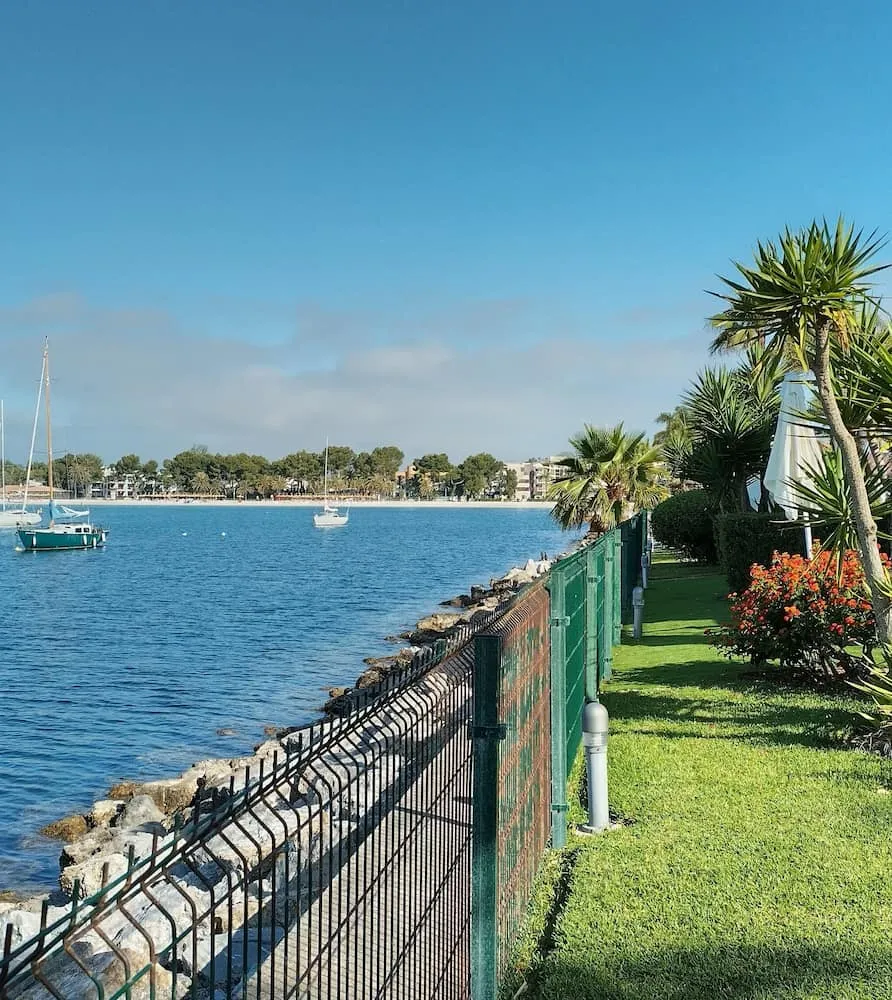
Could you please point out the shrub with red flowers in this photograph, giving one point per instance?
(812, 616)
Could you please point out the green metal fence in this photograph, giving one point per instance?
(512, 738)
(634, 544)
(534, 671)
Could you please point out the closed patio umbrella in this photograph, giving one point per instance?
(795, 448)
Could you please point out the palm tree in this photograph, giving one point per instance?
(201, 483)
(802, 299)
(676, 424)
(612, 474)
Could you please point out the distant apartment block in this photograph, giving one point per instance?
(535, 476)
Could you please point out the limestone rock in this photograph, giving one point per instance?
(439, 622)
(24, 925)
(84, 847)
(141, 813)
(171, 795)
(104, 812)
(86, 878)
(124, 790)
(459, 601)
(66, 828)
(370, 677)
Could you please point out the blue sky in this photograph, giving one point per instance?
(451, 226)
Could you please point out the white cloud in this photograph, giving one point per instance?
(455, 381)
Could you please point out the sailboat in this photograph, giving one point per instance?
(67, 528)
(329, 516)
(11, 518)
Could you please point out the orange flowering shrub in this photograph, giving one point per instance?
(804, 615)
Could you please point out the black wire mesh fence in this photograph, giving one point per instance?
(338, 868)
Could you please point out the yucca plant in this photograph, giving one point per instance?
(875, 731)
(826, 501)
(803, 299)
(732, 413)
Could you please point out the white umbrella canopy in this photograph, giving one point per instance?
(796, 446)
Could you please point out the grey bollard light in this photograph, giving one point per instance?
(645, 565)
(594, 740)
(637, 611)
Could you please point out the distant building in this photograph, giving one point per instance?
(113, 486)
(535, 476)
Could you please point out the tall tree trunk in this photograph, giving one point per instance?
(865, 526)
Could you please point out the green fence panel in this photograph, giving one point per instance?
(485, 733)
(617, 588)
(558, 699)
(604, 599)
(631, 559)
(512, 796)
(574, 650)
(594, 599)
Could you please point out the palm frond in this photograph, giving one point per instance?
(806, 278)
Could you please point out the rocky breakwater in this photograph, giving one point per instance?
(476, 606)
(194, 907)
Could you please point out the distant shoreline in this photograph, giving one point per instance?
(413, 504)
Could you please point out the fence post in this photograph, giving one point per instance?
(485, 733)
(559, 805)
(608, 624)
(592, 582)
(617, 589)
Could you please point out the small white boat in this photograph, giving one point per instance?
(329, 516)
(11, 518)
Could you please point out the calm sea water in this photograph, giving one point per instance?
(124, 663)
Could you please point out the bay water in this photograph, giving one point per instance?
(196, 628)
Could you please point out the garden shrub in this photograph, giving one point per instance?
(684, 522)
(812, 616)
(743, 540)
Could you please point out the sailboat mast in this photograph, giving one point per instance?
(325, 480)
(2, 454)
(49, 429)
(34, 433)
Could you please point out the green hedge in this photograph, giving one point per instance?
(744, 539)
(684, 522)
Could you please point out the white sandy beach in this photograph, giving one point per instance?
(420, 504)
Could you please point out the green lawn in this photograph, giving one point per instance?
(758, 860)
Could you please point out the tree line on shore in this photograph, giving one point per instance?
(199, 471)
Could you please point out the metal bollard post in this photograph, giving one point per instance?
(594, 740)
(637, 611)
(644, 566)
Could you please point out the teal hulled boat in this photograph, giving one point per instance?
(60, 535)
(67, 529)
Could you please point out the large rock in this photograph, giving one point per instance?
(439, 623)
(106, 968)
(141, 813)
(84, 861)
(104, 812)
(66, 828)
(124, 790)
(25, 925)
(171, 795)
(84, 847)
